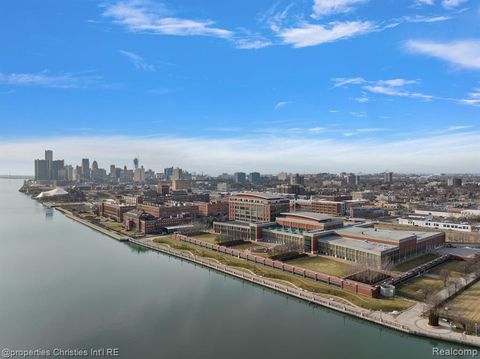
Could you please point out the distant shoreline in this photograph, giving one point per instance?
(16, 177)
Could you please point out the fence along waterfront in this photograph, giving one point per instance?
(348, 285)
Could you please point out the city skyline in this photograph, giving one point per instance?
(298, 86)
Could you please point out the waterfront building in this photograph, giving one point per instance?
(144, 223)
(234, 230)
(41, 170)
(308, 221)
(115, 211)
(256, 207)
(189, 211)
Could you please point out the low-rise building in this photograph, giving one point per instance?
(428, 222)
(213, 208)
(115, 211)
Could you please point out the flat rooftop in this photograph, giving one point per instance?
(310, 215)
(364, 246)
(261, 195)
(393, 236)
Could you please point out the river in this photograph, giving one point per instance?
(63, 285)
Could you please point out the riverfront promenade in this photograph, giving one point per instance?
(410, 321)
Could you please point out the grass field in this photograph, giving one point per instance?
(242, 247)
(317, 287)
(114, 226)
(405, 267)
(415, 288)
(207, 237)
(467, 304)
(455, 268)
(324, 265)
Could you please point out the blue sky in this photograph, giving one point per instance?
(308, 86)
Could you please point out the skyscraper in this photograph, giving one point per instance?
(254, 177)
(388, 177)
(85, 168)
(49, 160)
(239, 177)
(41, 170)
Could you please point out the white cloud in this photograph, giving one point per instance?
(281, 104)
(362, 99)
(424, 2)
(384, 90)
(329, 7)
(463, 53)
(252, 43)
(313, 34)
(293, 154)
(396, 82)
(142, 16)
(46, 79)
(450, 4)
(138, 61)
(344, 81)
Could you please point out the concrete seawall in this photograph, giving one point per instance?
(376, 317)
(93, 226)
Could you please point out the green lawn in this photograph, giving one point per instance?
(405, 267)
(207, 237)
(415, 288)
(324, 265)
(307, 284)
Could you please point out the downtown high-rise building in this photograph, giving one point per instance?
(85, 169)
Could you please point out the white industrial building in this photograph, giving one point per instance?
(427, 222)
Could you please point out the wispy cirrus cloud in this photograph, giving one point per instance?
(308, 34)
(137, 61)
(145, 16)
(447, 4)
(330, 7)
(50, 80)
(400, 88)
(281, 104)
(462, 53)
(451, 4)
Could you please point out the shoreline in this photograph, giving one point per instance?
(374, 317)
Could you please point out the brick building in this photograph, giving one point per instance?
(214, 208)
(256, 207)
(166, 211)
(115, 211)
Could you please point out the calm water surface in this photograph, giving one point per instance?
(63, 285)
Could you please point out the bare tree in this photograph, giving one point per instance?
(444, 276)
